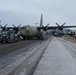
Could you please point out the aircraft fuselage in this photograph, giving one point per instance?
(31, 32)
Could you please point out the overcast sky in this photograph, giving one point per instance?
(29, 11)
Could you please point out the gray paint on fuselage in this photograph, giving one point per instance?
(30, 32)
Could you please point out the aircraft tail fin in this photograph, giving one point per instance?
(41, 20)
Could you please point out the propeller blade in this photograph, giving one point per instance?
(19, 25)
(47, 25)
(16, 28)
(5, 25)
(14, 25)
(63, 24)
(60, 27)
(57, 24)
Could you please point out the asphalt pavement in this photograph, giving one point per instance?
(58, 59)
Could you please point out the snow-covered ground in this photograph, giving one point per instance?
(59, 59)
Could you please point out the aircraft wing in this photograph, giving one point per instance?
(54, 27)
(69, 26)
(10, 28)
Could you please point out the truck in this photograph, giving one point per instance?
(9, 36)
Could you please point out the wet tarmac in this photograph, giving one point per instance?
(15, 57)
(59, 59)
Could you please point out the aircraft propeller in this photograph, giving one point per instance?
(3, 27)
(45, 27)
(16, 28)
(60, 27)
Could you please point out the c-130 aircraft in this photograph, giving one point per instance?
(28, 31)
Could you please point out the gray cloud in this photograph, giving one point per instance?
(29, 11)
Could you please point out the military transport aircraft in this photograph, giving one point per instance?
(28, 31)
